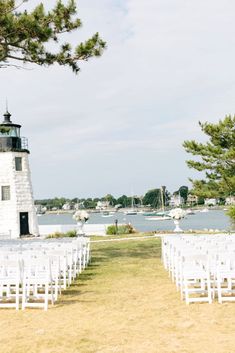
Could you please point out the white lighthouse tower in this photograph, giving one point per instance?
(17, 211)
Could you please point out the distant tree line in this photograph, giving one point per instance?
(58, 202)
(154, 198)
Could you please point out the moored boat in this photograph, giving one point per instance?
(130, 213)
(107, 214)
(158, 218)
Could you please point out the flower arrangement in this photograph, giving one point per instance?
(177, 213)
(81, 216)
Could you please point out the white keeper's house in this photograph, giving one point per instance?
(17, 211)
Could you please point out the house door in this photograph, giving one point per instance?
(24, 223)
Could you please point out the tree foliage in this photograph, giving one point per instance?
(124, 200)
(183, 192)
(216, 159)
(110, 198)
(231, 213)
(26, 36)
(152, 198)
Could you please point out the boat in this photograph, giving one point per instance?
(162, 215)
(153, 213)
(140, 212)
(158, 218)
(157, 214)
(131, 211)
(107, 214)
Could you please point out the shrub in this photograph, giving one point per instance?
(56, 235)
(111, 230)
(231, 213)
(69, 234)
(123, 229)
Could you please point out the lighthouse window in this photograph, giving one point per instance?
(5, 193)
(18, 163)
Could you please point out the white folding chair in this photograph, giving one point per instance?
(37, 283)
(195, 279)
(9, 284)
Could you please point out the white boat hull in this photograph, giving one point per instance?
(158, 218)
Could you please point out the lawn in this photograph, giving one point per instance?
(124, 302)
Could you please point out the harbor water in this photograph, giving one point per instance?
(213, 219)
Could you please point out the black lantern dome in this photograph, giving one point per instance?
(10, 139)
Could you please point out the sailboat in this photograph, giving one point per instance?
(131, 211)
(161, 215)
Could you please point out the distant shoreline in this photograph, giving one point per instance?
(91, 210)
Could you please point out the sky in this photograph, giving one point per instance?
(118, 126)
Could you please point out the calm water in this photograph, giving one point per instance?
(213, 219)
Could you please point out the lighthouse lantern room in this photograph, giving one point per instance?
(17, 211)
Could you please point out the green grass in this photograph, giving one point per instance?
(121, 236)
(140, 249)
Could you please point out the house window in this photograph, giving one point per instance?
(5, 193)
(18, 163)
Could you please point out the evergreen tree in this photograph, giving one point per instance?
(216, 159)
(24, 36)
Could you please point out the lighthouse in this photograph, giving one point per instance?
(17, 211)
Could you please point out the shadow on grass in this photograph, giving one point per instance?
(73, 295)
(71, 301)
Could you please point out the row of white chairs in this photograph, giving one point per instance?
(201, 266)
(33, 272)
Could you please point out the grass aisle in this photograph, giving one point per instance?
(123, 303)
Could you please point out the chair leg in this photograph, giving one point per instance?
(17, 296)
(219, 290)
(52, 294)
(46, 297)
(185, 281)
(24, 293)
(209, 290)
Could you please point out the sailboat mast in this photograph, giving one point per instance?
(132, 202)
(162, 199)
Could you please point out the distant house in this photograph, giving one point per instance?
(79, 206)
(67, 206)
(211, 202)
(176, 200)
(192, 199)
(230, 200)
(40, 209)
(102, 205)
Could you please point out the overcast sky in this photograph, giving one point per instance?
(119, 125)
